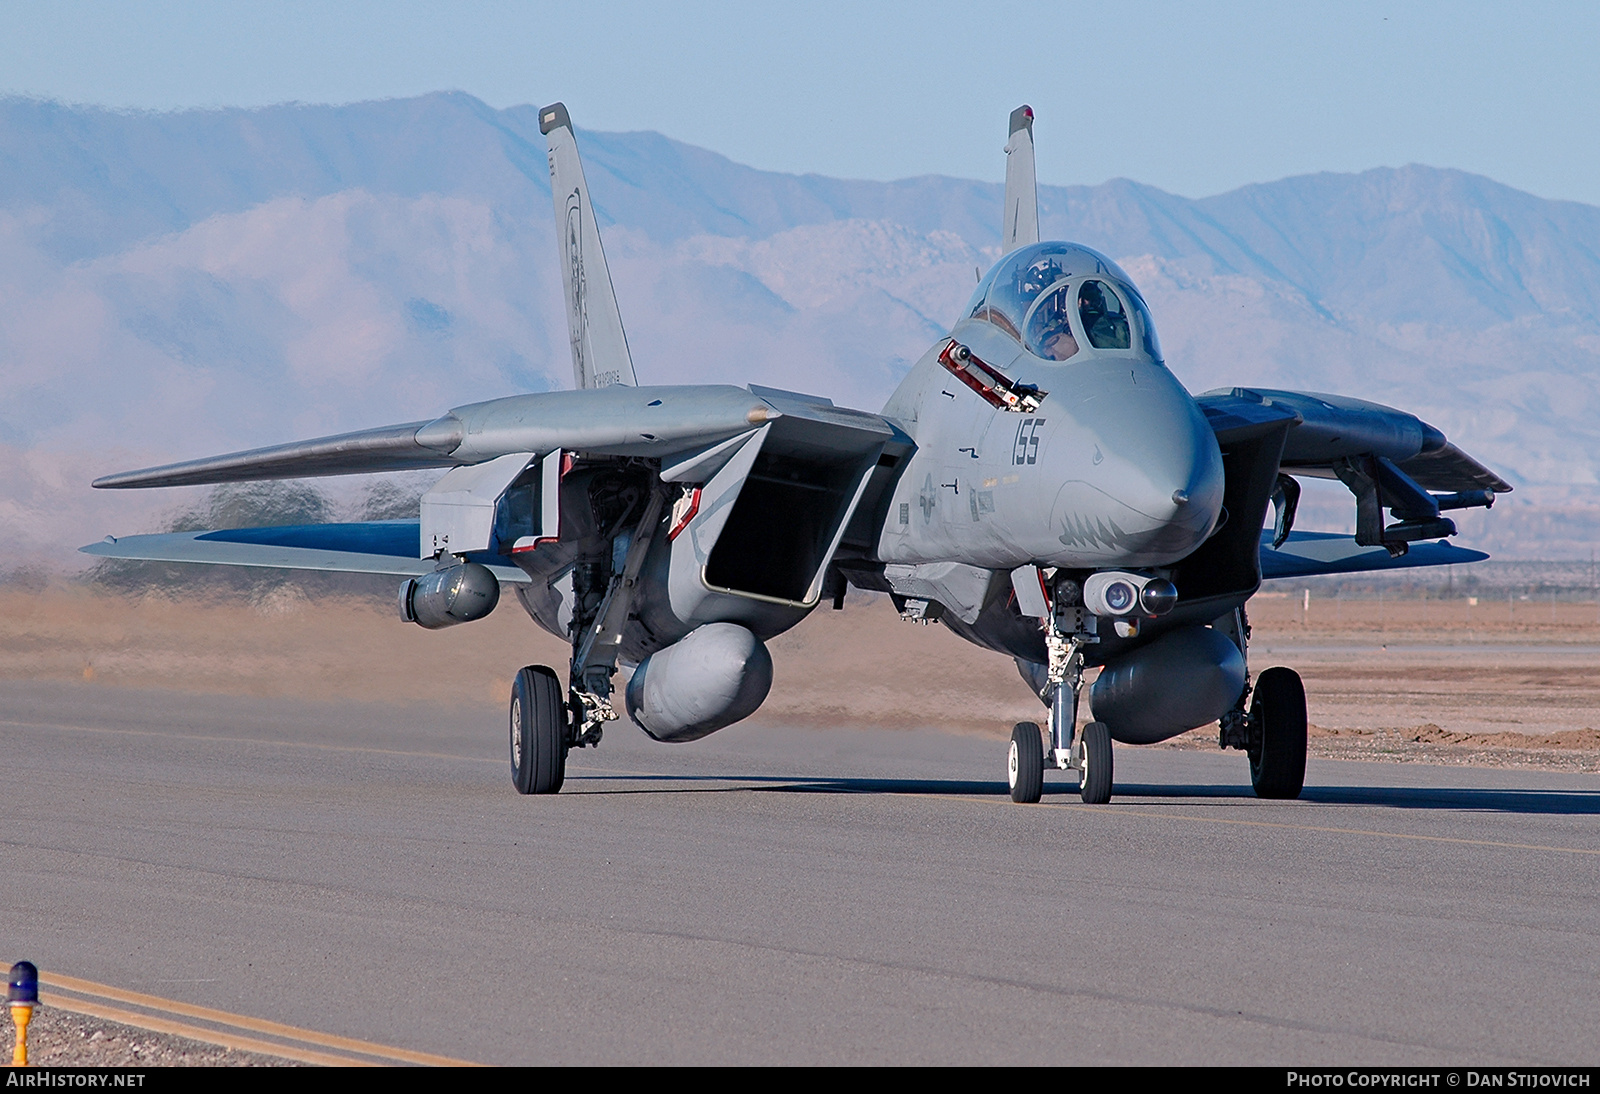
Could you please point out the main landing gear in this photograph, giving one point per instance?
(1069, 628)
(1273, 732)
(1278, 746)
(541, 726)
(548, 719)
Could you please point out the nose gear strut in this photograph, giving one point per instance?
(1069, 628)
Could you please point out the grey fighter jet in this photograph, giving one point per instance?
(1040, 483)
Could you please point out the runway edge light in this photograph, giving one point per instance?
(22, 994)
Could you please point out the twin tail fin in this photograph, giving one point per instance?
(1021, 225)
(600, 355)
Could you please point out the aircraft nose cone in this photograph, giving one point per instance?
(1182, 483)
(1161, 467)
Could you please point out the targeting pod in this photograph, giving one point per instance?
(457, 594)
(1118, 594)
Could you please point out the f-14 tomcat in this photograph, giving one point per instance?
(1039, 483)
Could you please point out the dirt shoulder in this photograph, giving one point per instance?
(1440, 682)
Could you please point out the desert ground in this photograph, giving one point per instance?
(1493, 682)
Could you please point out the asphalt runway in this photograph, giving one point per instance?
(789, 896)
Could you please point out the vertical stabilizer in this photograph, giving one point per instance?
(599, 346)
(1021, 225)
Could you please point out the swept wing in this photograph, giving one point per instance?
(1389, 459)
(685, 433)
(636, 421)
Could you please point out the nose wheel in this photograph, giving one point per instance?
(1094, 764)
(1069, 628)
(1025, 769)
(1091, 756)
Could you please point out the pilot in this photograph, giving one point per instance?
(1103, 320)
(1050, 331)
(1038, 276)
(1092, 306)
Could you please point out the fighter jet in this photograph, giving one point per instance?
(1040, 483)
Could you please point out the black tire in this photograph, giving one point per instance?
(538, 731)
(1094, 780)
(1278, 715)
(1025, 768)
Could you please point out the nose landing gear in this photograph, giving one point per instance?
(1094, 764)
(1068, 629)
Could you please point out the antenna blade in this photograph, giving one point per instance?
(1021, 225)
(599, 347)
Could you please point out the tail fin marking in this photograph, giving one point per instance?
(600, 355)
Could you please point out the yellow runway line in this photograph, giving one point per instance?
(364, 1052)
(200, 1033)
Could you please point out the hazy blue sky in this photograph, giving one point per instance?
(1194, 98)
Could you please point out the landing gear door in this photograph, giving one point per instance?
(700, 516)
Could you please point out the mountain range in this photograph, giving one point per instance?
(178, 284)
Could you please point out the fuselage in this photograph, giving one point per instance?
(1067, 444)
(1047, 431)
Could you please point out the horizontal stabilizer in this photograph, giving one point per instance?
(391, 448)
(1306, 554)
(374, 547)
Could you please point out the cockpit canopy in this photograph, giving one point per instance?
(1055, 298)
